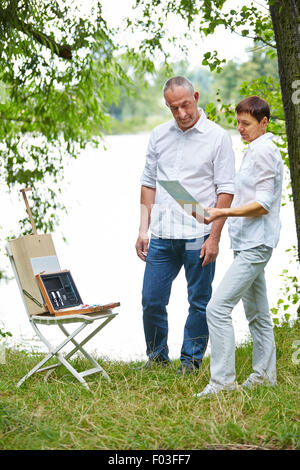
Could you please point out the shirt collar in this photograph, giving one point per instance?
(199, 126)
(261, 139)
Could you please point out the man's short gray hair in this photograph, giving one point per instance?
(178, 81)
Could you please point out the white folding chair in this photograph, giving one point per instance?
(55, 351)
(44, 319)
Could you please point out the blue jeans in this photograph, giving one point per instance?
(164, 261)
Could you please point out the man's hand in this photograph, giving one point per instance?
(209, 250)
(141, 245)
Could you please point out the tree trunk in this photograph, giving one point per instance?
(286, 22)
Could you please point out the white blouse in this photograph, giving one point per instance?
(258, 179)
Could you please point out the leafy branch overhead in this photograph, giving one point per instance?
(58, 75)
(11, 18)
(204, 17)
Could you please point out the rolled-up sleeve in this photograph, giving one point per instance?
(265, 173)
(148, 177)
(224, 166)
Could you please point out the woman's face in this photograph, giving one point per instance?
(249, 128)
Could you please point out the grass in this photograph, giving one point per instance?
(149, 409)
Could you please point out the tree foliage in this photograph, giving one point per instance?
(144, 107)
(58, 75)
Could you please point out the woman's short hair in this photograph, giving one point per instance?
(255, 106)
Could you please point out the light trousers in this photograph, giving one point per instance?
(244, 280)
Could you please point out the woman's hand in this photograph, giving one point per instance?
(214, 213)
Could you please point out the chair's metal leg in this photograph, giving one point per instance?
(79, 346)
(35, 369)
(73, 371)
(53, 352)
(88, 337)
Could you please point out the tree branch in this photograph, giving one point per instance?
(256, 38)
(8, 16)
(63, 51)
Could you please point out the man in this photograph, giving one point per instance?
(199, 154)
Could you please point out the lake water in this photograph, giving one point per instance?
(102, 193)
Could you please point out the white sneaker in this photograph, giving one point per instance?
(212, 389)
(252, 381)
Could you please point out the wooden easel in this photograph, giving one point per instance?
(23, 191)
(37, 298)
(22, 250)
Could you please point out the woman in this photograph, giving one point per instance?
(254, 228)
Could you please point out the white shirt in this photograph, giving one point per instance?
(258, 179)
(202, 159)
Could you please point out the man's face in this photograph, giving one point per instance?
(183, 106)
(249, 128)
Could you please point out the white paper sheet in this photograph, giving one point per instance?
(183, 197)
(47, 264)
